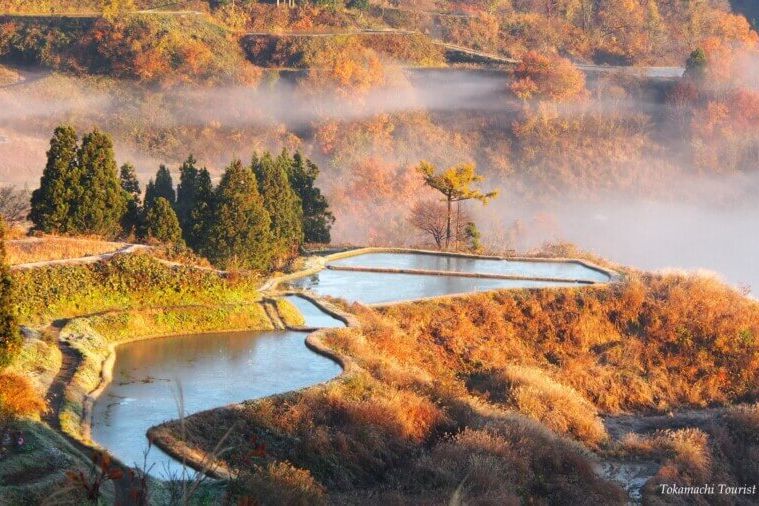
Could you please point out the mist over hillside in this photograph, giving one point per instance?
(649, 207)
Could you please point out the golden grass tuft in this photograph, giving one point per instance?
(48, 248)
(559, 407)
(280, 483)
(18, 398)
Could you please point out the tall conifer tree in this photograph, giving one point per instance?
(317, 219)
(98, 202)
(201, 212)
(129, 183)
(239, 235)
(161, 223)
(186, 195)
(282, 203)
(50, 202)
(162, 186)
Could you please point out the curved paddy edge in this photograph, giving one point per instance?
(161, 437)
(314, 264)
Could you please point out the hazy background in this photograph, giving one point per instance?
(714, 228)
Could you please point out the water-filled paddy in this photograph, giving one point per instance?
(219, 369)
(213, 370)
(315, 317)
(378, 287)
(420, 261)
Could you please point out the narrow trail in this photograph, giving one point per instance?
(56, 392)
(91, 259)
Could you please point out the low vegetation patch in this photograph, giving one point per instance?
(123, 282)
(153, 48)
(289, 313)
(33, 473)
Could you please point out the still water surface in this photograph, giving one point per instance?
(379, 288)
(213, 370)
(314, 317)
(558, 270)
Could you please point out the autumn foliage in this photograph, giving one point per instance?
(18, 398)
(547, 77)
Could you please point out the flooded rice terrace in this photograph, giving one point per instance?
(223, 368)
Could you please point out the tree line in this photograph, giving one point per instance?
(257, 217)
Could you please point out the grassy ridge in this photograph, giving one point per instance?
(502, 392)
(293, 51)
(124, 282)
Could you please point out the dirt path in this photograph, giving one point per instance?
(56, 392)
(129, 248)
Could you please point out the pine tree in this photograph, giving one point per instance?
(282, 203)
(317, 219)
(456, 185)
(99, 202)
(161, 223)
(162, 186)
(50, 202)
(239, 235)
(10, 338)
(129, 183)
(201, 212)
(186, 195)
(696, 65)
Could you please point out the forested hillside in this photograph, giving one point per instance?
(616, 31)
(367, 104)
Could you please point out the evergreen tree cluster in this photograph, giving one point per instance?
(257, 217)
(79, 192)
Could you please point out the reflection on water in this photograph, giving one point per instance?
(213, 370)
(314, 317)
(377, 288)
(558, 270)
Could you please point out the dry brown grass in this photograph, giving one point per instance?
(495, 398)
(18, 398)
(47, 248)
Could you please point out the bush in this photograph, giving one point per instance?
(280, 483)
(18, 398)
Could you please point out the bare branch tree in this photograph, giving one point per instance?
(429, 216)
(14, 204)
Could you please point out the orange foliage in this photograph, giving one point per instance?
(374, 200)
(719, 111)
(18, 398)
(348, 69)
(548, 77)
